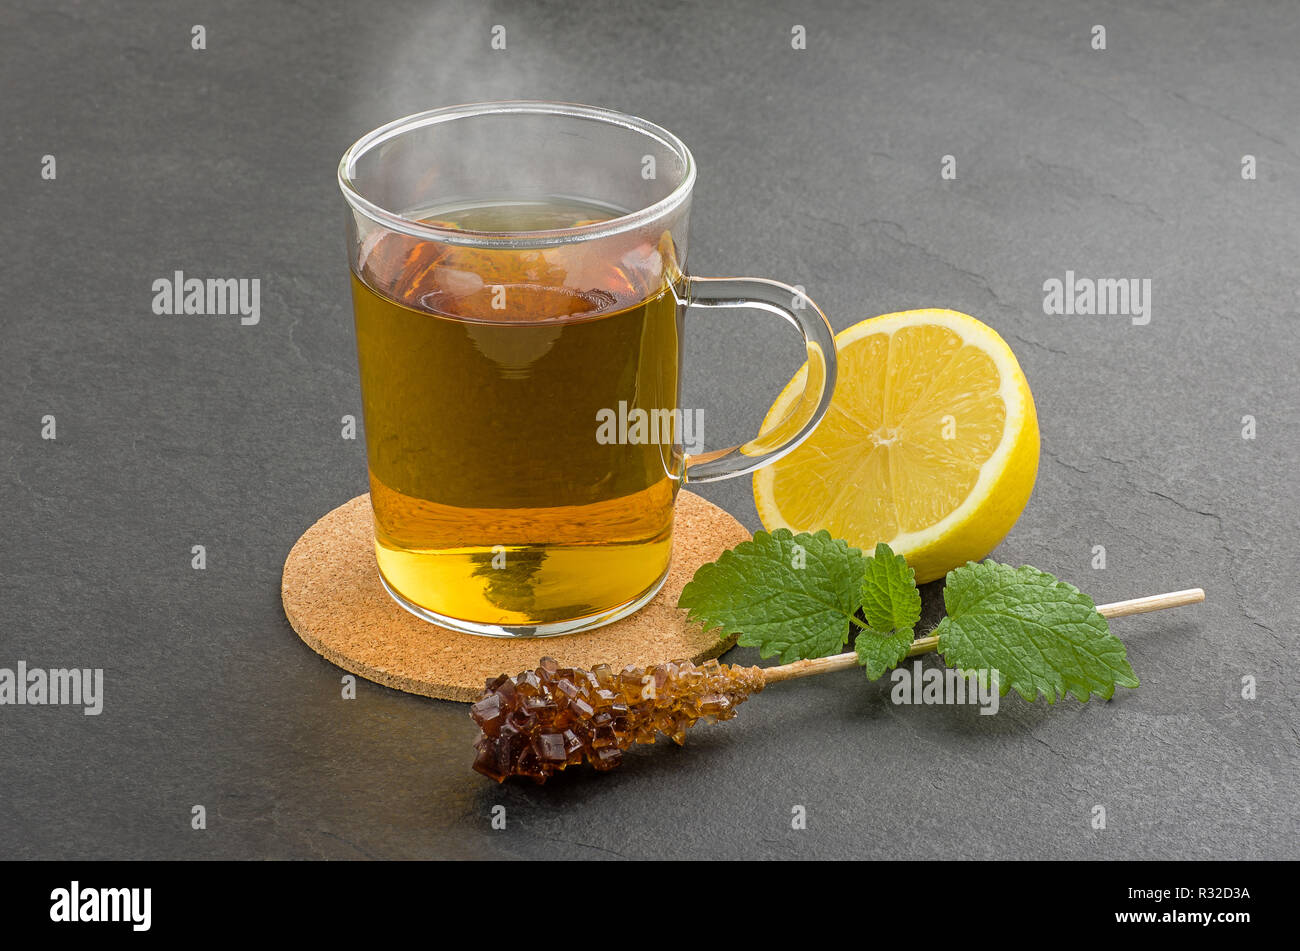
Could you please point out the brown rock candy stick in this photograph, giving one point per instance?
(544, 720)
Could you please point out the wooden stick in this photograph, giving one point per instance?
(1154, 602)
(923, 645)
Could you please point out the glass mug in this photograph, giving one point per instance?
(519, 291)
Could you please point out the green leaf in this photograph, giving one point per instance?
(1040, 634)
(881, 651)
(891, 606)
(890, 600)
(786, 594)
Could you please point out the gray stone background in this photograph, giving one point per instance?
(818, 167)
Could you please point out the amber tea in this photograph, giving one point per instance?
(519, 280)
(484, 373)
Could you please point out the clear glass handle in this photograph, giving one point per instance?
(819, 380)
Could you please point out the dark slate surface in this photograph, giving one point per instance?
(819, 167)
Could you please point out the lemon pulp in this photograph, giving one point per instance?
(930, 443)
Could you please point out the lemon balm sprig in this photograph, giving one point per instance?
(800, 596)
(927, 645)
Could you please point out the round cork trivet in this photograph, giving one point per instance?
(334, 600)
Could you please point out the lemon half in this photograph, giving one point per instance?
(930, 443)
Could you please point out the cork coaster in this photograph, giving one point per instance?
(334, 600)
